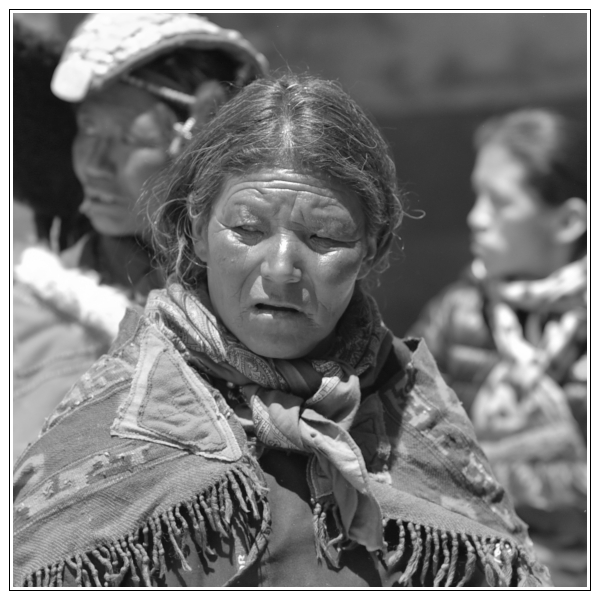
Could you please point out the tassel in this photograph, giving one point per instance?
(53, 573)
(170, 514)
(59, 573)
(85, 577)
(105, 562)
(436, 552)
(89, 565)
(203, 535)
(208, 513)
(427, 558)
(413, 562)
(118, 577)
(168, 520)
(235, 486)
(444, 568)
(228, 504)
(157, 541)
(318, 532)
(470, 564)
(250, 494)
(217, 505)
(399, 552)
(453, 559)
(192, 514)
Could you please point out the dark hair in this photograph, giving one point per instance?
(45, 128)
(300, 123)
(552, 148)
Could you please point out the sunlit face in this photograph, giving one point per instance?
(512, 230)
(123, 135)
(283, 254)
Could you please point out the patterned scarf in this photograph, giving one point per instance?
(521, 413)
(304, 405)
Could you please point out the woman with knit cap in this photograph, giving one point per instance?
(139, 84)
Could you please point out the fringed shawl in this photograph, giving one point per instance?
(105, 507)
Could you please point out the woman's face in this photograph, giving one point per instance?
(512, 230)
(123, 135)
(283, 253)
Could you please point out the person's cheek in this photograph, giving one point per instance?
(139, 165)
(79, 154)
(335, 278)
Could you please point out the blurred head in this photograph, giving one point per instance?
(530, 181)
(283, 202)
(142, 83)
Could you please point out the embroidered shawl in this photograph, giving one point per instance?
(145, 448)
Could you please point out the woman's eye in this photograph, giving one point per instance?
(87, 127)
(324, 242)
(248, 232)
(141, 142)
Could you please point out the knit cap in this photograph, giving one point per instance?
(108, 45)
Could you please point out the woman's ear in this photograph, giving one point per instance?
(571, 221)
(367, 262)
(200, 233)
(209, 97)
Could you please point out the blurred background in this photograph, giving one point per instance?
(427, 79)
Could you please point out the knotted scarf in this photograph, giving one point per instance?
(521, 413)
(304, 405)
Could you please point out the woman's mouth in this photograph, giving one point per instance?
(101, 197)
(263, 307)
(277, 311)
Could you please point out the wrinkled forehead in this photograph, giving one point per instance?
(268, 189)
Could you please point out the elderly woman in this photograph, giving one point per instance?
(511, 336)
(140, 83)
(257, 424)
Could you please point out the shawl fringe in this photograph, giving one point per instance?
(425, 556)
(432, 557)
(141, 554)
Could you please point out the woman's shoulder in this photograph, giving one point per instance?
(430, 475)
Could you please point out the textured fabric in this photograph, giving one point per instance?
(530, 382)
(145, 455)
(521, 414)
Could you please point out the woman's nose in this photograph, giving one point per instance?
(281, 262)
(479, 216)
(99, 159)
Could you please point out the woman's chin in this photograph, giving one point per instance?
(279, 344)
(112, 228)
(282, 348)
